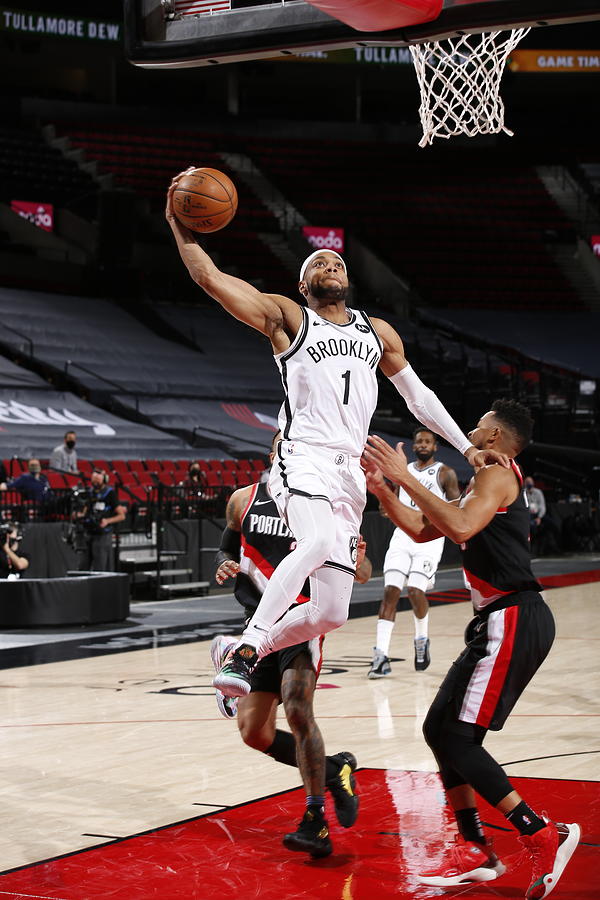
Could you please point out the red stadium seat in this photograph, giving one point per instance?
(56, 480)
(228, 478)
(128, 478)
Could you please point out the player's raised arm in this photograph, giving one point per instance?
(421, 400)
(411, 521)
(275, 316)
(492, 488)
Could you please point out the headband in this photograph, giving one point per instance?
(310, 258)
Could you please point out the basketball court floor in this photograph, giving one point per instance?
(121, 780)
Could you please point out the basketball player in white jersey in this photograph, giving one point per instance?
(410, 563)
(327, 355)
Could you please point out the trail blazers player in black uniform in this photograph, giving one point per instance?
(506, 643)
(254, 542)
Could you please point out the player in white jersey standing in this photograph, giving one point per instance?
(328, 356)
(415, 565)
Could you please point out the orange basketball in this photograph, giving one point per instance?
(205, 200)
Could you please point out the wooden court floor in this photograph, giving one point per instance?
(99, 749)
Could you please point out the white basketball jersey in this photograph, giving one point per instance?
(429, 478)
(330, 383)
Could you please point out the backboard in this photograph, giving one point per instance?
(186, 33)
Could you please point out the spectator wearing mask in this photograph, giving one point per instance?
(12, 562)
(32, 484)
(195, 477)
(64, 457)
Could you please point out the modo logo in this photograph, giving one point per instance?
(40, 214)
(324, 238)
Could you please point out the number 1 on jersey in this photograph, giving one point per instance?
(346, 377)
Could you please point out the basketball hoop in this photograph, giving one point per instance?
(459, 79)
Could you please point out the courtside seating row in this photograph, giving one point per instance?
(147, 474)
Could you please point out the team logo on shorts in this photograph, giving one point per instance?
(427, 566)
(364, 328)
(354, 549)
(339, 459)
(290, 447)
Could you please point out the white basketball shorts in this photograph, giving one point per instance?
(407, 562)
(327, 474)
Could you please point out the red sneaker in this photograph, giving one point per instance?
(551, 848)
(467, 862)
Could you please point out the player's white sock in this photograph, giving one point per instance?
(384, 635)
(421, 626)
(312, 524)
(330, 591)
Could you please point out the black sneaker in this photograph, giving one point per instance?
(234, 677)
(422, 658)
(342, 789)
(311, 836)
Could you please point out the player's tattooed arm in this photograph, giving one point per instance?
(449, 483)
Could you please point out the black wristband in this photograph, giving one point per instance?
(231, 543)
(221, 557)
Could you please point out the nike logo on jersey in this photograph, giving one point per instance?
(261, 502)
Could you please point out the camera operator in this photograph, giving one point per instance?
(12, 563)
(99, 513)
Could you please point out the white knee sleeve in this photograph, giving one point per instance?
(330, 592)
(313, 526)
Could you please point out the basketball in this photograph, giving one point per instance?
(205, 200)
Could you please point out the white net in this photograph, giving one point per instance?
(459, 79)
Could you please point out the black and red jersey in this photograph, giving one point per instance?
(265, 541)
(497, 560)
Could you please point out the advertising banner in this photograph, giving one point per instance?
(41, 24)
(555, 61)
(40, 214)
(324, 238)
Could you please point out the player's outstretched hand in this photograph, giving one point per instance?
(227, 569)
(481, 458)
(169, 211)
(391, 463)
